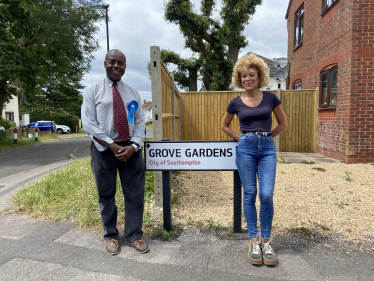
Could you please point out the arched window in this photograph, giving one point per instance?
(299, 26)
(327, 3)
(296, 85)
(329, 87)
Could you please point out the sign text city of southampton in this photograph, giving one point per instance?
(169, 156)
(188, 156)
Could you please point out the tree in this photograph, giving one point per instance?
(216, 42)
(66, 104)
(187, 69)
(45, 43)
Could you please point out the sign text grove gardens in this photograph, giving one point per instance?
(190, 155)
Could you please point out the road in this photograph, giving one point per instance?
(30, 157)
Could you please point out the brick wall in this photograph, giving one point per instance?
(343, 36)
(361, 123)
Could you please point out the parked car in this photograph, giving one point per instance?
(41, 125)
(59, 128)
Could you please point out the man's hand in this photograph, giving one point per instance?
(122, 152)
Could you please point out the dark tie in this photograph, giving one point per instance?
(119, 114)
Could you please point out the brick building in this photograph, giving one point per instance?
(338, 36)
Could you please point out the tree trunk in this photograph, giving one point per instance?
(233, 52)
(192, 84)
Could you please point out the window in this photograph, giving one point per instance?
(329, 87)
(299, 26)
(20, 117)
(327, 3)
(296, 85)
(9, 116)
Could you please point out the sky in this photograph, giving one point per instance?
(134, 27)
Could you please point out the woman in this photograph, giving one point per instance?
(256, 157)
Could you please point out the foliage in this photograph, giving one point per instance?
(348, 176)
(45, 44)
(7, 124)
(66, 104)
(308, 162)
(164, 234)
(216, 42)
(283, 160)
(213, 224)
(7, 140)
(2, 138)
(186, 74)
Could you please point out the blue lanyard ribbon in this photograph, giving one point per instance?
(132, 107)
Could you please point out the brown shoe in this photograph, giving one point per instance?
(140, 246)
(112, 247)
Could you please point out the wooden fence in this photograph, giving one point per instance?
(202, 113)
(170, 105)
(301, 108)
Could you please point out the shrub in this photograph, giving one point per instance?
(7, 124)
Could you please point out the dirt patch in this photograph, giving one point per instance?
(330, 199)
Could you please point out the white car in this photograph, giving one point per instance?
(59, 128)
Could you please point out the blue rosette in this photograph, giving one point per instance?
(132, 107)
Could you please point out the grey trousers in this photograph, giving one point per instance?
(104, 167)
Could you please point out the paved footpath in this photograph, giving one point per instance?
(36, 250)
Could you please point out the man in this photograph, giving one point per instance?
(112, 117)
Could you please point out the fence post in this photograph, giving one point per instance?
(237, 203)
(172, 92)
(315, 120)
(156, 113)
(277, 138)
(180, 116)
(166, 198)
(15, 136)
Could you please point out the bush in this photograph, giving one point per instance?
(2, 135)
(71, 121)
(7, 124)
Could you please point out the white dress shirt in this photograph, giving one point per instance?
(97, 112)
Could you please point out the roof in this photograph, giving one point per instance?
(288, 9)
(269, 62)
(147, 105)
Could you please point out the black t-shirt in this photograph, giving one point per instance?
(253, 119)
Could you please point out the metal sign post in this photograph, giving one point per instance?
(169, 156)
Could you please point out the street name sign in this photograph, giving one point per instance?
(190, 155)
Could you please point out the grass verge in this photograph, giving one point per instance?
(149, 126)
(70, 194)
(8, 143)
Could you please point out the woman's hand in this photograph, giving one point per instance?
(281, 119)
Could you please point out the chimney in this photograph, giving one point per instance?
(144, 101)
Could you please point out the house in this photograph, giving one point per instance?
(147, 107)
(24, 118)
(273, 84)
(331, 46)
(10, 110)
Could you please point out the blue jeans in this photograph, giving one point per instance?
(256, 158)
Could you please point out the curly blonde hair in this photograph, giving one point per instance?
(250, 61)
